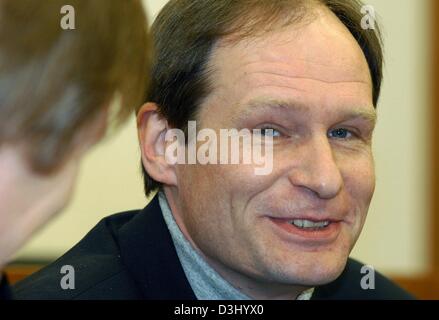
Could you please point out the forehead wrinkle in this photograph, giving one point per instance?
(258, 105)
(314, 79)
(368, 115)
(283, 59)
(299, 72)
(261, 105)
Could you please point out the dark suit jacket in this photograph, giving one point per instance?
(131, 256)
(5, 291)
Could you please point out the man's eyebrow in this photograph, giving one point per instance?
(255, 106)
(368, 115)
(289, 106)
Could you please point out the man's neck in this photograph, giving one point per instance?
(258, 290)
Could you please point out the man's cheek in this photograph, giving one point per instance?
(365, 183)
(358, 174)
(245, 186)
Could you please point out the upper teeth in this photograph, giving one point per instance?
(309, 224)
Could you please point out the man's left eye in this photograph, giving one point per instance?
(340, 133)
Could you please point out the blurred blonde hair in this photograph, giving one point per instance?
(54, 82)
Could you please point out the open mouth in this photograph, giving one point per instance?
(305, 230)
(309, 225)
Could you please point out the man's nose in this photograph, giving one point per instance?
(316, 168)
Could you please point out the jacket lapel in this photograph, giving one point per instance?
(150, 256)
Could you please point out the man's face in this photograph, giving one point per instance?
(312, 86)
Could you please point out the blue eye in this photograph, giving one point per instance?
(270, 132)
(340, 133)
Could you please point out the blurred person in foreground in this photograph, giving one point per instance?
(303, 76)
(56, 89)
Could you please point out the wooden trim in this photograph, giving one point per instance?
(18, 272)
(435, 142)
(424, 287)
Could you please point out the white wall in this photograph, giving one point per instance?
(395, 236)
(394, 239)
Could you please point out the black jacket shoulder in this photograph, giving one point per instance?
(5, 290)
(351, 285)
(131, 256)
(99, 272)
(126, 256)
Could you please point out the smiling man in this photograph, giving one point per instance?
(306, 75)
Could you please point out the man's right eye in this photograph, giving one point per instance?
(271, 132)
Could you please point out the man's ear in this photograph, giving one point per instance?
(151, 129)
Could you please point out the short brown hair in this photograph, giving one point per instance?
(54, 81)
(186, 31)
